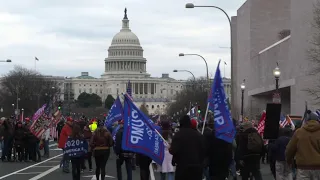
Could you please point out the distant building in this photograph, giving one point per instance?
(264, 33)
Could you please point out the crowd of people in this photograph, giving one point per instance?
(19, 144)
(189, 154)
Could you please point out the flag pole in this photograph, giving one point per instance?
(35, 64)
(205, 118)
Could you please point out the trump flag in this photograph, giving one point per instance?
(224, 128)
(140, 134)
(115, 113)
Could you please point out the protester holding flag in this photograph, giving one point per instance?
(122, 156)
(188, 150)
(75, 148)
(101, 142)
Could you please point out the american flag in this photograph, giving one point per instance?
(283, 122)
(286, 121)
(262, 123)
(39, 112)
(129, 90)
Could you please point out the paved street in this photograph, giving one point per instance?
(49, 169)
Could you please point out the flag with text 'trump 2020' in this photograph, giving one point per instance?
(140, 134)
(115, 113)
(224, 128)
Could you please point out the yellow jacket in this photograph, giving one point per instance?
(93, 126)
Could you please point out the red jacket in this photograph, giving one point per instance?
(65, 132)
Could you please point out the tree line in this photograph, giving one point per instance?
(25, 89)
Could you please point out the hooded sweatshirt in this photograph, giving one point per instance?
(305, 147)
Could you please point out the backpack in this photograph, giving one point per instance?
(255, 142)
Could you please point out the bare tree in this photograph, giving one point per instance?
(27, 88)
(314, 54)
(195, 93)
(144, 109)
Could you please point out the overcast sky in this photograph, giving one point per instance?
(72, 36)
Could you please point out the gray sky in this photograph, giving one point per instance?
(71, 36)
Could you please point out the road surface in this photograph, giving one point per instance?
(49, 169)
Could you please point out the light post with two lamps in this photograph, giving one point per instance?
(182, 54)
(243, 87)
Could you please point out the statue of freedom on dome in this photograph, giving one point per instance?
(125, 13)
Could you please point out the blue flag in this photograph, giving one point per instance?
(140, 134)
(224, 128)
(115, 113)
(114, 132)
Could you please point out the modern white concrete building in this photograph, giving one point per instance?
(265, 33)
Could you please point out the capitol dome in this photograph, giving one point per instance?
(125, 55)
(125, 36)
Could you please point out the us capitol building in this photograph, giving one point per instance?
(125, 62)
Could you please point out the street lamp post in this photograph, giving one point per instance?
(8, 60)
(243, 87)
(194, 78)
(1, 110)
(277, 73)
(182, 54)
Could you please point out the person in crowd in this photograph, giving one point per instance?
(250, 149)
(45, 139)
(239, 133)
(233, 162)
(122, 155)
(167, 169)
(75, 148)
(59, 127)
(2, 129)
(19, 136)
(7, 140)
(208, 140)
(304, 147)
(144, 163)
(272, 159)
(283, 170)
(101, 142)
(188, 150)
(87, 135)
(65, 133)
(219, 158)
(94, 125)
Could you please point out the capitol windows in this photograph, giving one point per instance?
(152, 107)
(158, 106)
(100, 91)
(96, 91)
(90, 90)
(85, 90)
(147, 106)
(80, 91)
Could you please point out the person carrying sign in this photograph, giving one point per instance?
(76, 148)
